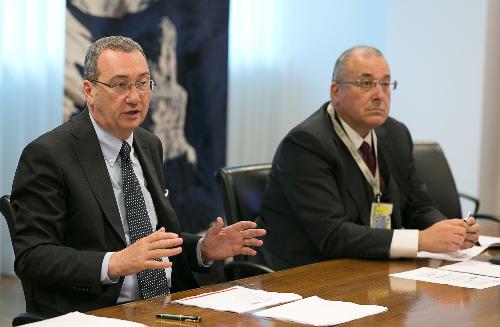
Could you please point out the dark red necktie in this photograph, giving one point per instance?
(370, 160)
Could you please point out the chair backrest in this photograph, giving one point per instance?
(25, 317)
(8, 213)
(242, 189)
(433, 169)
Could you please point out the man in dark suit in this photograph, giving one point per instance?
(81, 189)
(343, 182)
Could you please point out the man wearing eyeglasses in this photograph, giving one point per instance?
(343, 182)
(93, 224)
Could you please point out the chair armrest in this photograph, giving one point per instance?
(487, 216)
(472, 199)
(27, 317)
(476, 208)
(242, 269)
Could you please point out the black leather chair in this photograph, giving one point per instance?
(433, 169)
(24, 317)
(242, 189)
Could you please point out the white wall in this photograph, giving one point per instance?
(490, 133)
(281, 56)
(436, 50)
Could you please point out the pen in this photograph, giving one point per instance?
(468, 215)
(178, 317)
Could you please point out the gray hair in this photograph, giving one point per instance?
(120, 43)
(339, 71)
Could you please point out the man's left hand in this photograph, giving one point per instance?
(223, 242)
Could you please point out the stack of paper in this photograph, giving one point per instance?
(475, 267)
(312, 310)
(318, 312)
(453, 278)
(78, 319)
(238, 299)
(464, 255)
(489, 241)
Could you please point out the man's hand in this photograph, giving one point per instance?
(223, 242)
(444, 236)
(472, 233)
(141, 255)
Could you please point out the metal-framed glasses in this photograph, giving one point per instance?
(123, 88)
(370, 84)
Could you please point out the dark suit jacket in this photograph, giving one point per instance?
(317, 202)
(67, 218)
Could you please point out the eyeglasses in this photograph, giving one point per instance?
(123, 88)
(367, 84)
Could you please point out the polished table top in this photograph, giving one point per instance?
(409, 303)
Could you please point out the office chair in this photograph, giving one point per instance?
(433, 169)
(24, 317)
(242, 189)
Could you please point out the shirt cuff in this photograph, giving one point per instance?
(404, 243)
(104, 270)
(202, 263)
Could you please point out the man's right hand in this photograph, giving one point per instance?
(444, 236)
(141, 255)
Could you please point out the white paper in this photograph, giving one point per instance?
(440, 276)
(462, 255)
(78, 319)
(319, 312)
(489, 241)
(475, 267)
(238, 299)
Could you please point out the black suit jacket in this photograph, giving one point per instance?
(67, 218)
(317, 202)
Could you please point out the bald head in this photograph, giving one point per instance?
(341, 65)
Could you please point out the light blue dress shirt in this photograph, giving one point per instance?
(110, 147)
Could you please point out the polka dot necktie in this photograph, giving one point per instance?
(152, 282)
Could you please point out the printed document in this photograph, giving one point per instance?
(319, 312)
(464, 255)
(489, 241)
(475, 267)
(440, 276)
(238, 299)
(78, 319)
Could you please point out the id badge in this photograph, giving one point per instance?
(380, 216)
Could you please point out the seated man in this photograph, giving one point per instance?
(93, 226)
(343, 182)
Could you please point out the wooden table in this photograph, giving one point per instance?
(410, 303)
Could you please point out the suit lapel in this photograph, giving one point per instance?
(391, 189)
(164, 212)
(354, 180)
(88, 151)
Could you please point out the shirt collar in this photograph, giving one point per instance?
(110, 144)
(355, 138)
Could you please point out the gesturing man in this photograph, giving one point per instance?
(93, 225)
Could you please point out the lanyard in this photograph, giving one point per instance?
(374, 181)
